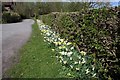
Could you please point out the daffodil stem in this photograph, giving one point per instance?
(77, 48)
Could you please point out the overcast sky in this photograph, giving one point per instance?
(113, 2)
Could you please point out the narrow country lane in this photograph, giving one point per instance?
(14, 35)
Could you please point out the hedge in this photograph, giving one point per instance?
(10, 17)
(93, 31)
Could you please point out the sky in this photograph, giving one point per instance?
(114, 3)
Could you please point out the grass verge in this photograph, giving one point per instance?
(36, 59)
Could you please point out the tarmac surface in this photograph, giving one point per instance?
(14, 36)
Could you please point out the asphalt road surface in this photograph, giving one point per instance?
(14, 36)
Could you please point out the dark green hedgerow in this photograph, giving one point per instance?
(10, 17)
(93, 31)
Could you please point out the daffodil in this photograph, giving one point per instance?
(69, 54)
(65, 62)
(66, 49)
(83, 61)
(79, 57)
(56, 43)
(93, 68)
(71, 58)
(60, 57)
(53, 49)
(83, 53)
(59, 43)
(60, 61)
(68, 74)
(69, 43)
(57, 57)
(63, 53)
(77, 68)
(94, 75)
(44, 40)
(79, 62)
(61, 47)
(75, 62)
(71, 66)
(72, 48)
(87, 71)
(61, 40)
(64, 42)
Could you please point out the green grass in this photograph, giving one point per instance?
(36, 59)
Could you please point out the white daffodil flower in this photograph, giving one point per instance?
(69, 54)
(70, 58)
(94, 75)
(79, 57)
(87, 71)
(44, 40)
(62, 47)
(72, 48)
(66, 49)
(83, 61)
(59, 43)
(45, 37)
(79, 62)
(53, 49)
(61, 40)
(71, 66)
(83, 53)
(65, 62)
(69, 43)
(75, 62)
(68, 74)
(93, 68)
(56, 43)
(63, 53)
(65, 42)
(57, 57)
(77, 68)
(60, 61)
(60, 57)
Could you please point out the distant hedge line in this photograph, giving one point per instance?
(10, 17)
(94, 31)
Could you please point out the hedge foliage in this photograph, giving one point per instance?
(10, 17)
(94, 31)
